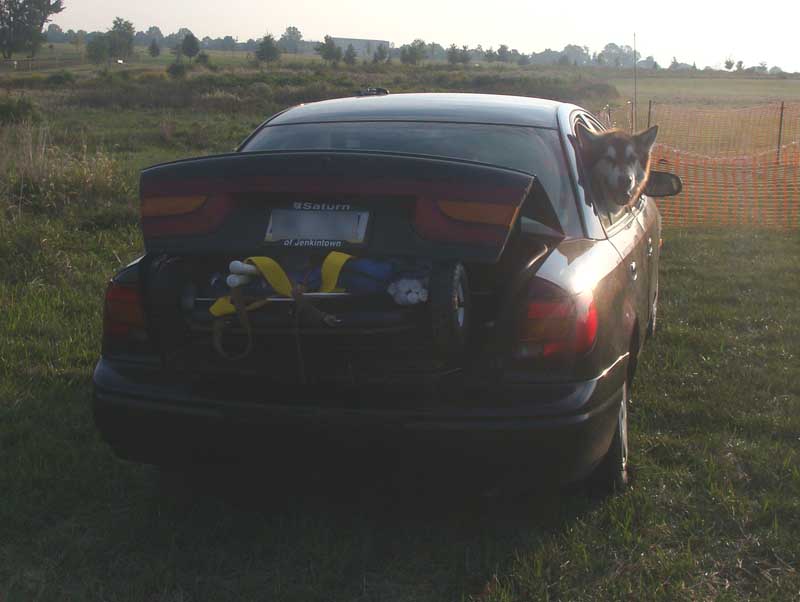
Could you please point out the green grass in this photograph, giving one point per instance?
(718, 90)
(713, 513)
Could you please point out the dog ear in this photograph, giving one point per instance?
(647, 138)
(587, 141)
(585, 137)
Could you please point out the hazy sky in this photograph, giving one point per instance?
(703, 31)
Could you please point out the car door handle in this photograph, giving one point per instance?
(634, 273)
(649, 246)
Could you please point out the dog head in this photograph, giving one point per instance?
(619, 163)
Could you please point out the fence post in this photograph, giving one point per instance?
(780, 133)
(633, 115)
(608, 108)
(649, 112)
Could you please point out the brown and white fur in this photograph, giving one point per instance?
(618, 164)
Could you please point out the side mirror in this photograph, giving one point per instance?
(662, 183)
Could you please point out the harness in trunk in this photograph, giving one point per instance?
(280, 282)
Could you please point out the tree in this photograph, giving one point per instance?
(55, 34)
(268, 51)
(524, 60)
(177, 50)
(98, 50)
(413, 53)
(739, 65)
(490, 55)
(503, 54)
(79, 41)
(453, 54)
(350, 55)
(435, 51)
(21, 24)
(577, 54)
(190, 45)
(120, 39)
(381, 54)
(154, 48)
(329, 51)
(729, 63)
(290, 40)
(228, 43)
(154, 33)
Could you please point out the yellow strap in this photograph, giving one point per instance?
(222, 307)
(272, 273)
(331, 268)
(225, 307)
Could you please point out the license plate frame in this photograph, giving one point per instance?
(323, 226)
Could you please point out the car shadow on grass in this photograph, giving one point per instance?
(381, 489)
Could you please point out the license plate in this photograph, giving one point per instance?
(299, 228)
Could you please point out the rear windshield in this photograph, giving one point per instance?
(536, 151)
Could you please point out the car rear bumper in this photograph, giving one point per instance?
(560, 431)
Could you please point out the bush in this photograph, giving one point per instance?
(177, 70)
(220, 100)
(61, 78)
(18, 110)
(150, 77)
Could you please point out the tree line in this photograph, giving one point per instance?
(22, 22)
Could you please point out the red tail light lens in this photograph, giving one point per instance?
(556, 327)
(123, 317)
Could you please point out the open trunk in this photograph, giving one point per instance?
(452, 226)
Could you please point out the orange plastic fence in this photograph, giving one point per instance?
(737, 169)
(759, 190)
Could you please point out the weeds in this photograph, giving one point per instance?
(42, 177)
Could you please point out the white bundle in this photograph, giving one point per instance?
(408, 291)
(241, 274)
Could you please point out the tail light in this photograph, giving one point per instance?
(124, 328)
(555, 327)
(183, 215)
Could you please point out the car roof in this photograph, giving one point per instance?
(464, 108)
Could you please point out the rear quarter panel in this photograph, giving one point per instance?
(582, 265)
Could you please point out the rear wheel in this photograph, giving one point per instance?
(612, 473)
(651, 325)
(450, 309)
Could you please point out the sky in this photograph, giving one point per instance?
(705, 32)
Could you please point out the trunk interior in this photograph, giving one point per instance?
(374, 342)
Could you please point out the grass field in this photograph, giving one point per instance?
(720, 90)
(713, 513)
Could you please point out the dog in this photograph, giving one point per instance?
(618, 165)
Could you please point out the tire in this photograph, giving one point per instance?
(613, 472)
(450, 310)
